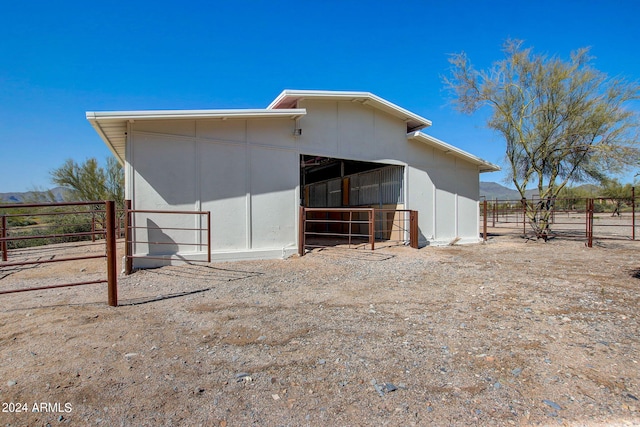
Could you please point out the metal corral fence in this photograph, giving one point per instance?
(324, 227)
(22, 237)
(30, 233)
(142, 230)
(570, 218)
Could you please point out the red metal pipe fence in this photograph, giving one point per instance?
(484, 220)
(3, 235)
(633, 213)
(131, 239)
(589, 223)
(108, 232)
(103, 222)
(112, 272)
(576, 218)
(328, 226)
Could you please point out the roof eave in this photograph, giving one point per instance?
(96, 125)
(414, 121)
(111, 125)
(483, 165)
(293, 113)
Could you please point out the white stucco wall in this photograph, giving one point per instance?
(246, 172)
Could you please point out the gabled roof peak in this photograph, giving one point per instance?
(289, 98)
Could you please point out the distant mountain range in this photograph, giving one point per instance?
(58, 193)
(493, 191)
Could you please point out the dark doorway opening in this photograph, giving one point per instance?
(331, 182)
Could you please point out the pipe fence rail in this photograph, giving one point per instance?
(573, 218)
(324, 227)
(157, 238)
(64, 222)
(396, 225)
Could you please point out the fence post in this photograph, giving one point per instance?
(590, 223)
(372, 235)
(495, 208)
(413, 229)
(93, 225)
(118, 225)
(524, 216)
(484, 220)
(633, 213)
(4, 236)
(209, 237)
(128, 261)
(112, 273)
(591, 209)
(301, 231)
(350, 226)
(586, 218)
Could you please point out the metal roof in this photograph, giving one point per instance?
(483, 165)
(289, 99)
(112, 125)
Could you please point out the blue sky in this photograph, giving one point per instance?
(61, 59)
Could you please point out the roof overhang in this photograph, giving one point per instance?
(483, 165)
(195, 114)
(290, 98)
(112, 125)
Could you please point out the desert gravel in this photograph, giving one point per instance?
(513, 332)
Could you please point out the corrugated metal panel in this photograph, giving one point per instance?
(377, 187)
(354, 185)
(334, 188)
(318, 195)
(391, 185)
(369, 191)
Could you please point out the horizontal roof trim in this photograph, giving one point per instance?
(112, 125)
(293, 113)
(288, 98)
(484, 166)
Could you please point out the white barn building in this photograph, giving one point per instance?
(253, 168)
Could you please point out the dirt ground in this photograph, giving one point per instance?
(512, 332)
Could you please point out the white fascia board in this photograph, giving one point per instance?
(328, 94)
(366, 97)
(293, 113)
(448, 148)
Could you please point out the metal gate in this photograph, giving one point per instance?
(51, 210)
(155, 233)
(570, 218)
(323, 227)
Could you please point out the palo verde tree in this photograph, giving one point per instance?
(90, 182)
(562, 121)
